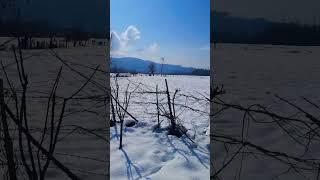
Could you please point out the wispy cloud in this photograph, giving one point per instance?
(148, 52)
(124, 44)
(154, 47)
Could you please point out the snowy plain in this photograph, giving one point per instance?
(152, 154)
(253, 74)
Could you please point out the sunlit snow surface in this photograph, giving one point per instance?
(147, 154)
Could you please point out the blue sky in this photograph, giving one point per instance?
(178, 30)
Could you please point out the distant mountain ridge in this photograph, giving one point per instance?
(226, 28)
(136, 65)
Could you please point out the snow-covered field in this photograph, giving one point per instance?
(152, 154)
(83, 153)
(252, 74)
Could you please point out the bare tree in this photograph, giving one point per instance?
(120, 108)
(152, 68)
(162, 61)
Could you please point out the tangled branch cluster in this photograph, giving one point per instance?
(29, 141)
(292, 153)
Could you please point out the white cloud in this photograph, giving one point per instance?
(150, 49)
(130, 34)
(148, 52)
(154, 47)
(120, 43)
(116, 43)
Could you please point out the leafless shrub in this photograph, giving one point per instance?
(165, 105)
(120, 108)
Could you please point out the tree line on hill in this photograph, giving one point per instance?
(262, 31)
(152, 71)
(76, 36)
